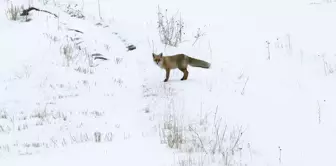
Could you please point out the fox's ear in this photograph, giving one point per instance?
(153, 55)
(160, 54)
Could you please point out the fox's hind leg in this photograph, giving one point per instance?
(185, 73)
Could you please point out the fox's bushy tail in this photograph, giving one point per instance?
(198, 63)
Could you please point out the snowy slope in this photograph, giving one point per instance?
(245, 110)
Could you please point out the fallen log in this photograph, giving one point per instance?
(98, 57)
(25, 12)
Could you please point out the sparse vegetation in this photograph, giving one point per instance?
(268, 50)
(13, 12)
(172, 132)
(329, 69)
(97, 137)
(45, 2)
(84, 70)
(92, 105)
(51, 37)
(171, 29)
(67, 51)
(109, 137)
(79, 56)
(73, 11)
(3, 114)
(118, 60)
(208, 135)
(200, 33)
(48, 116)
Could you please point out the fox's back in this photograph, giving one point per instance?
(175, 61)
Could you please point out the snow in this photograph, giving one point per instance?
(51, 109)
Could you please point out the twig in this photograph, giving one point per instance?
(289, 42)
(198, 35)
(210, 49)
(199, 138)
(237, 140)
(249, 147)
(301, 56)
(99, 10)
(70, 29)
(54, 142)
(319, 112)
(268, 49)
(243, 91)
(280, 154)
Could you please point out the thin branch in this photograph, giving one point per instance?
(70, 29)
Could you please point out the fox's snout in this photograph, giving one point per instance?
(157, 61)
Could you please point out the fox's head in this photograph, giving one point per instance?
(157, 58)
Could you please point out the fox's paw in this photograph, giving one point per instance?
(165, 80)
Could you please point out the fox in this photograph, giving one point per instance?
(180, 61)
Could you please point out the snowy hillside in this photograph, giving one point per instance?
(73, 91)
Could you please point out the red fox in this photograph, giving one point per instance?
(180, 61)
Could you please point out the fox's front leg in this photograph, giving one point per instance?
(167, 75)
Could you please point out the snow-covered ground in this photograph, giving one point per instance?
(268, 99)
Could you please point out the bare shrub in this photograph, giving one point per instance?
(73, 139)
(97, 136)
(77, 56)
(1, 129)
(118, 81)
(85, 70)
(3, 114)
(216, 138)
(84, 137)
(97, 113)
(171, 29)
(40, 113)
(39, 122)
(83, 60)
(44, 2)
(22, 127)
(74, 10)
(67, 51)
(118, 60)
(5, 148)
(64, 142)
(172, 132)
(5, 129)
(209, 136)
(107, 47)
(25, 73)
(191, 160)
(59, 115)
(13, 12)
(109, 136)
(51, 37)
(328, 68)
